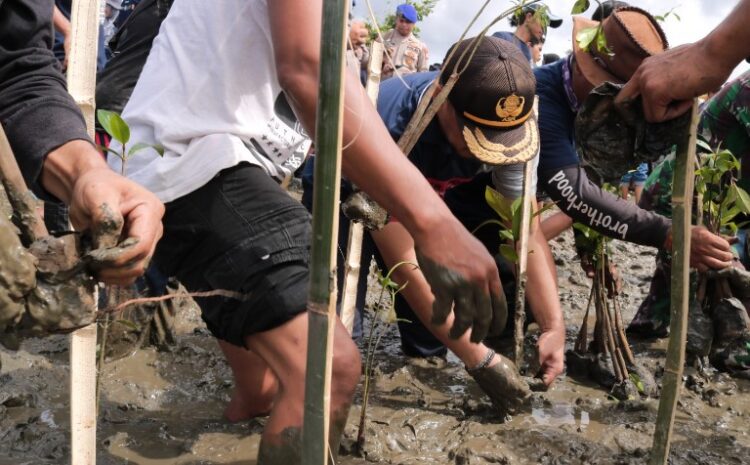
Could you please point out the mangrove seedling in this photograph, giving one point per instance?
(383, 316)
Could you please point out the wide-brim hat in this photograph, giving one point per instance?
(632, 35)
(494, 98)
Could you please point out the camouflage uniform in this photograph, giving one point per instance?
(409, 54)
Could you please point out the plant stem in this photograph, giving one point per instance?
(682, 197)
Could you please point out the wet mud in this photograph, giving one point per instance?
(165, 407)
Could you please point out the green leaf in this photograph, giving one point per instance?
(601, 42)
(159, 149)
(585, 37)
(579, 7)
(729, 214)
(703, 145)
(114, 125)
(515, 209)
(129, 324)
(638, 382)
(499, 203)
(509, 253)
(743, 200)
(113, 152)
(137, 147)
(506, 235)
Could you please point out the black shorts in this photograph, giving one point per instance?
(240, 232)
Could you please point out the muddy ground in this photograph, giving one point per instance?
(165, 407)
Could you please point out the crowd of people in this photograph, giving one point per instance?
(229, 90)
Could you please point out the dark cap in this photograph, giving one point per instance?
(494, 96)
(554, 21)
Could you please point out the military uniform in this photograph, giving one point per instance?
(409, 54)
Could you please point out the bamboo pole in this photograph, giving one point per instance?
(322, 296)
(82, 86)
(682, 196)
(523, 257)
(352, 267)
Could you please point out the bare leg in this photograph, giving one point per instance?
(284, 349)
(255, 386)
(624, 188)
(638, 191)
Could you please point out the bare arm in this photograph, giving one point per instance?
(374, 162)
(62, 25)
(669, 80)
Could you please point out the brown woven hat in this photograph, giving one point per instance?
(632, 35)
(494, 97)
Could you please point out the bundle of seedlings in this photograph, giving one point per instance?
(718, 324)
(606, 357)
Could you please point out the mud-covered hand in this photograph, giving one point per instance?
(551, 347)
(113, 208)
(707, 250)
(463, 277)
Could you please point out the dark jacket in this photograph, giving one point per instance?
(36, 111)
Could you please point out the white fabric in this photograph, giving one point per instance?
(209, 94)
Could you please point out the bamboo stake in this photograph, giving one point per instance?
(322, 297)
(81, 85)
(523, 257)
(356, 229)
(682, 197)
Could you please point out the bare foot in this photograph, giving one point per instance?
(239, 409)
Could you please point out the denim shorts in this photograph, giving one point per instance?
(240, 232)
(637, 177)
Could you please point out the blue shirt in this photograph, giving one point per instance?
(433, 155)
(556, 120)
(510, 37)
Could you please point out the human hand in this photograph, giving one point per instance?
(668, 81)
(117, 211)
(463, 277)
(551, 346)
(707, 250)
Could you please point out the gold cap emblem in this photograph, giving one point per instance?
(508, 108)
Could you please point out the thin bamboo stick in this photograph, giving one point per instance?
(20, 197)
(82, 86)
(682, 197)
(356, 229)
(322, 296)
(523, 258)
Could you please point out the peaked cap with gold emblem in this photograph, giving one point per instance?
(494, 96)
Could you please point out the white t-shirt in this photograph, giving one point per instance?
(209, 94)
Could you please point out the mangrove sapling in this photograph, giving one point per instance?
(609, 338)
(720, 203)
(383, 316)
(510, 232)
(119, 130)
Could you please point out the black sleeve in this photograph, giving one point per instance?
(36, 111)
(604, 212)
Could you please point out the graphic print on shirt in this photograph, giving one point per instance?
(284, 142)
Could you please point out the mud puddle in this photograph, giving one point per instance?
(163, 408)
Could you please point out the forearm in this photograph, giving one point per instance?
(542, 282)
(587, 203)
(60, 22)
(729, 42)
(64, 165)
(372, 160)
